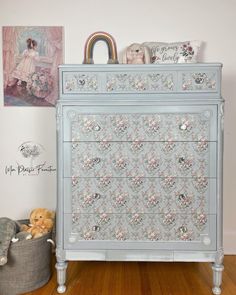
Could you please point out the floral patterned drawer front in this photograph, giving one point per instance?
(80, 82)
(140, 127)
(140, 82)
(146, 195)
(168, 226)
(199, 81)
(150, 159)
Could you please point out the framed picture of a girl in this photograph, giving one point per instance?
(31, 56)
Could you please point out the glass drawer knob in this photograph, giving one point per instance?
(181, 160)
(96, 228)
(81, 82)
(97, 128)
(183, 126)
(97, 160)
(182, 197)
(96, 196)
(183, 229)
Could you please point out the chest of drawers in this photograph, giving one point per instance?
(140, 164)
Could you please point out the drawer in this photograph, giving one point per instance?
(142, 82)
(140, 123)
(140, 231)
(199, 81)
(82, 82)
(147, 159)
(139, 79)
(147, 195)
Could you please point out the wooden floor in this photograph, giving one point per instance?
(143, 278)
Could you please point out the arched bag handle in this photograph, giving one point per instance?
(89, 46)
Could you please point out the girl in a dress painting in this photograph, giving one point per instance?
(26, 65)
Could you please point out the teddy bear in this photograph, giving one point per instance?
(41, 222)
(136, 54)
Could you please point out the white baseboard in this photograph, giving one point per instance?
(230, 242)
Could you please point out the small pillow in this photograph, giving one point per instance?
(179, 52)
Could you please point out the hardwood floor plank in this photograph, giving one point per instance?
(141, 278)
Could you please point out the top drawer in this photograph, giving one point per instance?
(128, 79)
(140, 123)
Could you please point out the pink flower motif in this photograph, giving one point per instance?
(88, 125)
(200, 183)
(153, 235)
(88, 200)
(104, 181)
(104, 218)
(136, 145)
(120, 163)
(153, 200)
(169, 218)
(104, 145)
(202, 145)
(184, 234)
(200, 219)
(152, 163)
(136, 218)
(88, 235)
(168, 145)
(120, 235)
(121, 199)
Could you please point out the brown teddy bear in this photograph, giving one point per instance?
(41, 222)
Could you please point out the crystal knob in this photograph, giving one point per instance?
(97, 160)
(182, 197)
(81, 82)
(96, 128)
(183, 127)
(96, 228)
(96, 196)
(181, 160)
(183, 229)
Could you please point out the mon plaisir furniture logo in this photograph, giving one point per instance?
(30, 161)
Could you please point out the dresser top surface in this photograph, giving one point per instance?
(148, 67)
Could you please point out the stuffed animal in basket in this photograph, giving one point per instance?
(41, 222)
(136, 54)
(10, 231)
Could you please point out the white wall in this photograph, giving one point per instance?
(213, 21)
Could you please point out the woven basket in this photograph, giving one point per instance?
(28, 266)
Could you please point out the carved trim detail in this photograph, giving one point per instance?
(222, 116)
(60, 254)
(219, 256)
(58, 116)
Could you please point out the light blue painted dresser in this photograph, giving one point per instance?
(140, 164)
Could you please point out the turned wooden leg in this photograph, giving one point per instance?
(217, 278)
(61, 267)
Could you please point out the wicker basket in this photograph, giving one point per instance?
(28, 266)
